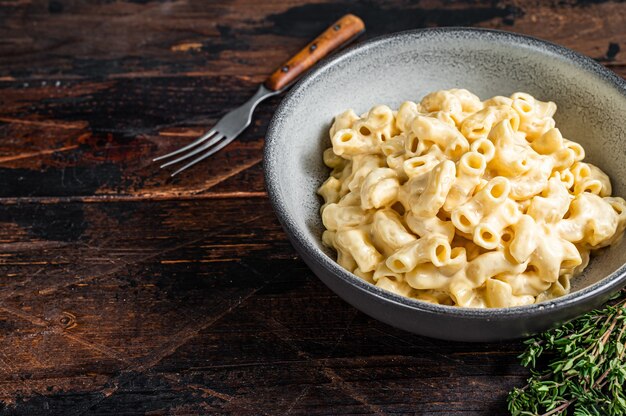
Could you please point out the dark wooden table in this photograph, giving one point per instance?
(123, 291)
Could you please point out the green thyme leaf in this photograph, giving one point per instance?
(585, 371)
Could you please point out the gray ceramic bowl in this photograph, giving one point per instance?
(405, 66)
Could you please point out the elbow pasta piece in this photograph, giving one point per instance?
(349, 200)
(511, 157)
(549, 143)
(467, 216)
(406, 113)
(552, 205)
(457, 103)
(464, 294)
(379, 189)
(440, 180)
(559, 288)
(411, 188)
(383, 271)
(470, 103)
(333, 160)
(342, 173)
(563, 159)
(533, 181)
(471, 250)
(535, 116)
(394, 146)
(336, 217)
(357, 243)
(498, 294)
(379, 123)
(444, 136)
(457, 201)
(592, 221)
(542, 109)
(443, 117)
(388, 232)
(576, 149)
(524, 241)
(427, 276)
(443, 101)
(594, 181)
(581, 171)
(485, 147)
(348, 143)
(478, 125)
(566, 177)
(536, 127)
(491, 264)
(397, 164)
(488, 233)
(413, 146)
(469, 170)
(432, 249)
(525, 284)
(424, 227)
(399, 288)
(330, 190)
(619, 206)
(362, 165)
(380, 117)
(553, 254)
(458, 261)
(344, 120)
(524, 104)
(419, 165)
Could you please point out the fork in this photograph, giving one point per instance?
(340, 33)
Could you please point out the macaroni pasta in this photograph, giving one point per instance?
(459, 201)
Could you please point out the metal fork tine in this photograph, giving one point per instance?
(201, 139)
(197, 150)
(225, 131)
(215, 149)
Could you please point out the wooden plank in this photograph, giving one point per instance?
(247, 38)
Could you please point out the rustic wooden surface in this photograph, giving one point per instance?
(125, 292)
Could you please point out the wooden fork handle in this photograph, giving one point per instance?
(337, 35)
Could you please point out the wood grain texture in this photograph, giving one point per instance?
(123, 291)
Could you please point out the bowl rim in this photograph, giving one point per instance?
(603, 287)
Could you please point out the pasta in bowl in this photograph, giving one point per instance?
(411, 66)
(464, 202)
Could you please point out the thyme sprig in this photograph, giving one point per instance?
(585, 373)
